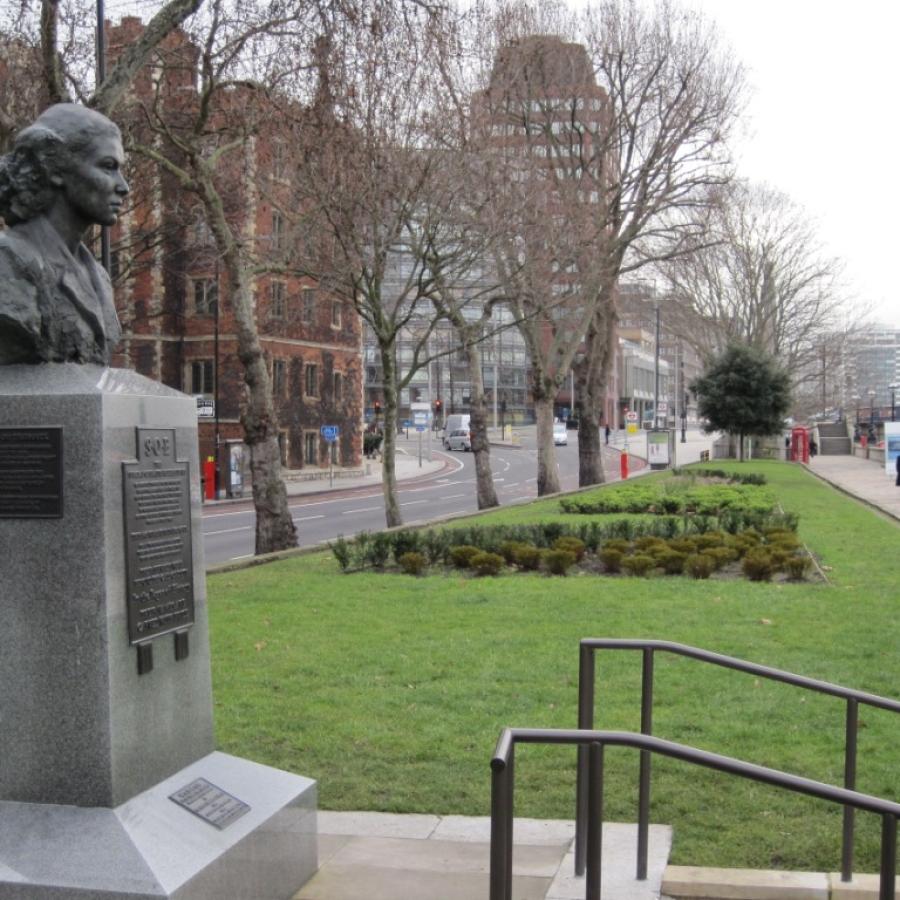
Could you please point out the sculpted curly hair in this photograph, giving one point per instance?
(42, 150)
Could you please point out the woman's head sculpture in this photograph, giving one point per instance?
(63, 175)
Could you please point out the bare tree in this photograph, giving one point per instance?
(377, 185)
(765, 281)
(206, 142)
(631, 125)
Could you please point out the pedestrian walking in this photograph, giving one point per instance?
(897, 461)
(606, 433)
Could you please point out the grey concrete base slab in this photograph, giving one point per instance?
(700, 883)
(376, 824)
(375, 883)
(150, 847)
(525, 831)
(618, 880)
(862, 887)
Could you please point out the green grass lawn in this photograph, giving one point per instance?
(392, 690)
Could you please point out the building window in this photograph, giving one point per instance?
(276, 299)
(309, 305)
(205, 294)
(338, 383)
(283, 447)
(311, 448)
(279, 371)
(277, 230)
(201, 380)
(279, 158)
(336, 314)
(311, 380)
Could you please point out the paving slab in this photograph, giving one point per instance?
(526, 831)
(618, 880)
(863, 478)
(708, 883)
(377, 883)
(861, 887)
(376, 824)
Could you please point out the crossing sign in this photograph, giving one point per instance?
(330, 433)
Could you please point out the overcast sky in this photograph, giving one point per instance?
(823, 124)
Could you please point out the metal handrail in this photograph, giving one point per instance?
(503, 788)
(586, 685)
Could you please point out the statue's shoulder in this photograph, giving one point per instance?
(20, 253)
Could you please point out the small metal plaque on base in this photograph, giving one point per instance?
(159, 558)
(210, 803)
(31, 480)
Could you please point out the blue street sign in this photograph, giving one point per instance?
(420, 427)
(330, 433)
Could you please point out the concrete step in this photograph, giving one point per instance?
(698, 883)
(834, 446)
(833, 429)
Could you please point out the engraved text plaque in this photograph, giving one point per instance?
(31, 482)
(210, 803)
(160, 573)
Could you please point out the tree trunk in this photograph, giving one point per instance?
(389, 445)
(590, 373)
(484, 477)
(547, 471)
(275, 529)
(741, 446)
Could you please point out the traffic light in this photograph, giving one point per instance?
(377, 409)
(438, 405)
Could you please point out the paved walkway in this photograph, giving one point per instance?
(377, 856)
(862, 478)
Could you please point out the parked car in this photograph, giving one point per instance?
(458, 440)
(560, 435)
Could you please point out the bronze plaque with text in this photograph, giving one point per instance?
(31, 479)
(159, 561)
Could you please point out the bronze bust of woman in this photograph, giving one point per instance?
(62, 176)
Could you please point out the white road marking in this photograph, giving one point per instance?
(227, 531)
(307, 518)
(350, 512)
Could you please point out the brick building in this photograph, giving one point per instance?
(173, 295)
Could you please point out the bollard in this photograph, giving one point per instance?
(623, 465)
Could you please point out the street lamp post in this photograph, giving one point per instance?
(894, 388)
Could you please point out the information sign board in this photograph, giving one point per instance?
(330, 433)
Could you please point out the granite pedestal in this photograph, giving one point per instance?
(90, 748)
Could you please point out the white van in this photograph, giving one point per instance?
(455, 422)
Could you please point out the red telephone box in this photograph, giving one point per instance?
(800, 445)
(209, 479)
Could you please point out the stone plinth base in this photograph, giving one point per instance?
(150, 847)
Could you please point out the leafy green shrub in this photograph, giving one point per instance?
(528, 557)
(683, 545)
(413, 563)
(787, 540)
(436, 545)
(378, 549)
(486, 563)
(611, 557)
(575, 546)
(671, 505)
(559, 561)
(758, 565)
(699, 565)
(639, 564)
(406, 542)
(709, 539)
(508, 551)
(797, 567)
(721, 556)
(619, 544)
(671, 561)
(461, 555)
(647, 543)
(342, 552)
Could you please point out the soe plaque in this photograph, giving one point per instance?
(159, 561)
